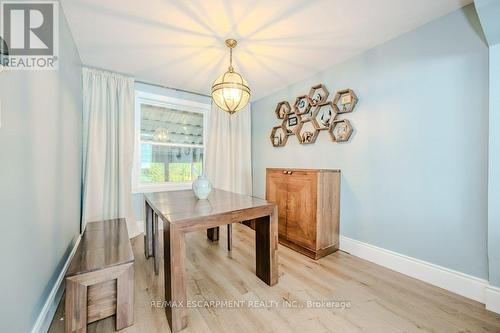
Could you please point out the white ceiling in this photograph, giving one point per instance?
(180, 43)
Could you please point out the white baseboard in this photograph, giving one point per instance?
(44, 319)
(493, 299)
(454, 281)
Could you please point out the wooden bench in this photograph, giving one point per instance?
(100, 278)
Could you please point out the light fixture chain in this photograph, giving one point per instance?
(231, 59)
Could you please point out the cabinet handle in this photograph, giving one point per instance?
(284, 172)
(289, 172)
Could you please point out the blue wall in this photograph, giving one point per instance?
(415, 171)
(489, 15)
(40, 175)
(494, 168)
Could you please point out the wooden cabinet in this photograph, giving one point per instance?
(308, 209)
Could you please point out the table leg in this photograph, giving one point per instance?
(174, 248)
(213, 234)
(156, 244)
(266, 246)
(229, 237)
(148, 230)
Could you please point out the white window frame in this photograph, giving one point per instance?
(172, 103)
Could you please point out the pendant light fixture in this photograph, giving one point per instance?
(230, 91)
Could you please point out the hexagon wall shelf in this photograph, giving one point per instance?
(324, 114)
(318, 94)
(302, 106)
(345, 101)
(278, 136)
(307, 132)
(340, 130)
(291, 123)
(313, 113)
(283, 109)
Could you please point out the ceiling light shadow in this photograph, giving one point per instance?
(284, 14)
(99, 10)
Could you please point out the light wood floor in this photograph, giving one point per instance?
(381, 300)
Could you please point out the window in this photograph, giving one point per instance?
(170, 142)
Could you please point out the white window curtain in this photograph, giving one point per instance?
(108, 147)
(228, 164)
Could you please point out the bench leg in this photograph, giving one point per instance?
(75, 307)
(229, 237)
(125, 299)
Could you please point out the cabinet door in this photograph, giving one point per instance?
(301, 208)
(277, 192)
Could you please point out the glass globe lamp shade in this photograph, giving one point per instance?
(231, 92)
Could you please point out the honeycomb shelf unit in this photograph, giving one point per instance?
(345, 100)
(340, 130)
(324, 114)
(283, 109)
(313, 113)
(278, 136)
(307, 133)
(318, 94)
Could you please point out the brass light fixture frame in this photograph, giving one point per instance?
(231, 44)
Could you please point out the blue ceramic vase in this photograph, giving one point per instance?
(202, 187)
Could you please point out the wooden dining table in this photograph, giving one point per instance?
(181, 212)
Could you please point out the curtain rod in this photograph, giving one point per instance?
(176, 89)
(143, 82)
